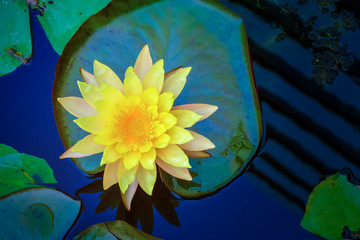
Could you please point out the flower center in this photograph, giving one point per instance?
(135, 126)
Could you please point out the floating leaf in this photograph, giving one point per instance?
(15, 42)
(37, 213)
(203, 35)
(19, 171)
(6, 150)
(333, 205)
(60, 19)
(113, 231)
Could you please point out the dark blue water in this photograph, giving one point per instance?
(310, 133)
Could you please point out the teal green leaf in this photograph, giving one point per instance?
(201, 34)
(6, 150)
(113, 231)
(37, 213)
(19, 171)
(15, 42)
(62, 18)
(333, 205)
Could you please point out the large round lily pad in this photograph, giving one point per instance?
(333, 206)
(116, 230)
(37, 213)
(200, 34)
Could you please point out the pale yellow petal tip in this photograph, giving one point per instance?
(149, 190)
(188, 178)
(145, 48)
(159, 64)
(97, 63)
(63, 155)
(186, 70)
(129, 70)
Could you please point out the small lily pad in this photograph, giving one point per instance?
(15, 42)
(201, 34)
(60, 19)
(113, 231)
(19, 171)
(37, 213)
(333, 205)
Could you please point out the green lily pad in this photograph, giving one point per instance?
(113, 231)
(15, 42)
(200, 34)
(37, 213)
(333, 205)
(19, 171)
(60, 19)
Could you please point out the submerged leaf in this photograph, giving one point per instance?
(19, 171)
(203, 35)
(37, 213)
(113, 231)
(333, 206)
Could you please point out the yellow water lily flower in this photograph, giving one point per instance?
(135, 124)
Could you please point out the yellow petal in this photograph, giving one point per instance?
(199, 143)
(77, 106)
(88, 146)
(158, 130)
(145, 147)
(150, 96)
(185, 118)
(205, 110)
(132, 84)
(153, 111)
(197, 154)
(171, 72)
(131, 159)
(166, 101)
(176, 82)
(106, 137)
(146, 179)
(161, 141)
(128, 196)
(112, 94)
(70, 154)
(179, 135)
(155, 77)
(110, 174)
(88, 77)
(173, 155)
(182, 173)
(110, 155)
(106, 109)
(143, 63)
(125, 176)
(90, 93)
(167, 119)
(103, 74)
(122, 148)
(92, 124)
(147, 159)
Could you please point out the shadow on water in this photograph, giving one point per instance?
(309, 100)
(142, 207)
